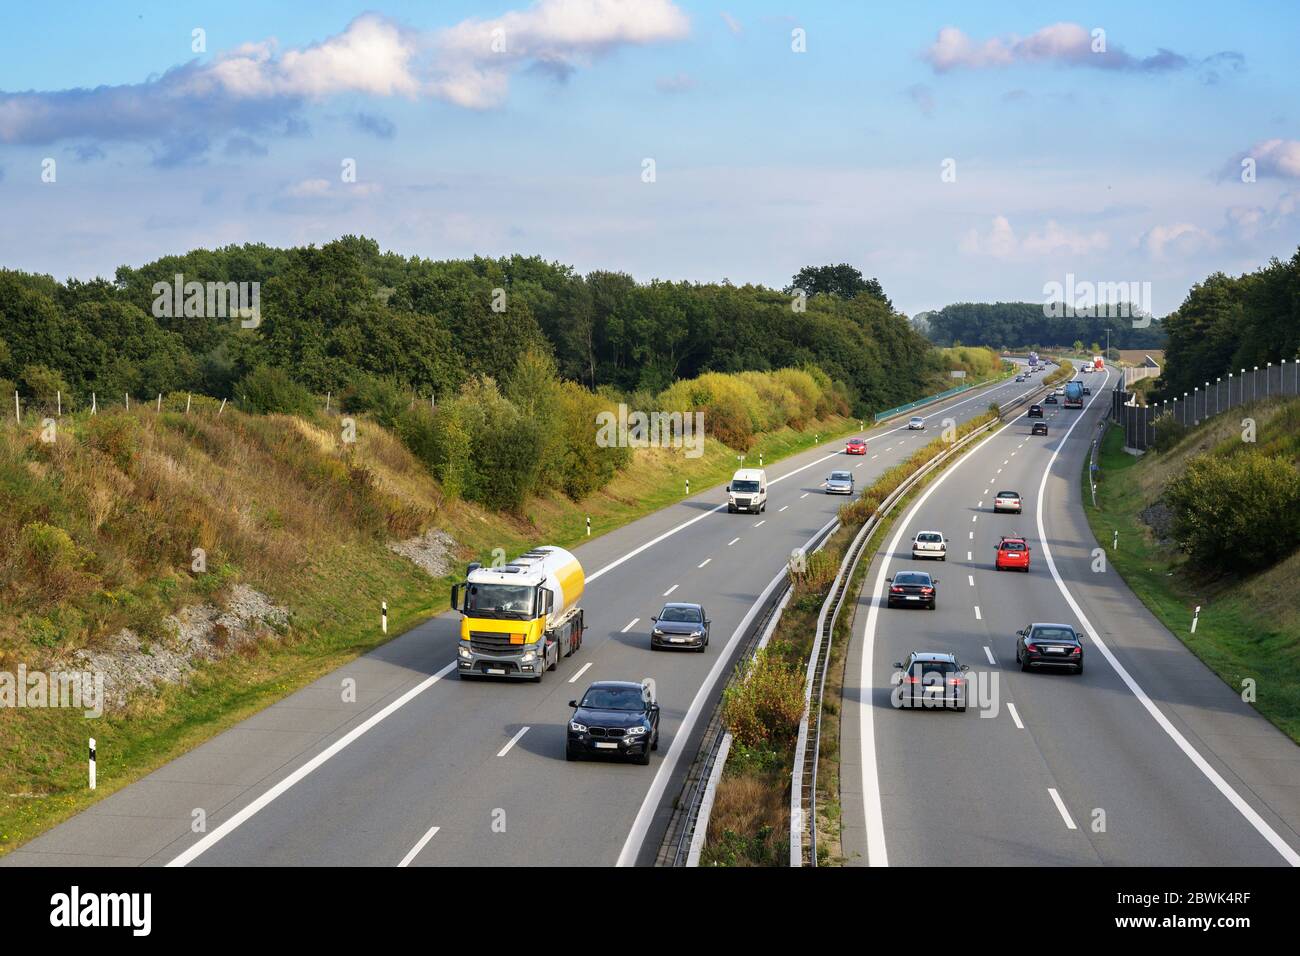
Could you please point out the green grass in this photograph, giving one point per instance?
(1247, 627)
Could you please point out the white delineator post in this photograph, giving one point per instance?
(92, 763)
(688, 487)
(588, 526)
(1196, 615)
(383, 616)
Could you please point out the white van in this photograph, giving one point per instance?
(747, 491)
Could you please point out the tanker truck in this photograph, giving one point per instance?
(519, 619)
(1074, 394)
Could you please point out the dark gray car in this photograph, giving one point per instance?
(680, 625)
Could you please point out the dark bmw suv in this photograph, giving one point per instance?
(680, 625)
(616, 718)
(1049, 645)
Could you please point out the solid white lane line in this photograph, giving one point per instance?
(704, 562)
(581, 670)
(630, 624)
(1011, 709)
(977, 613)
(732, 541)
(670, 590)
(1060, 805)
(989, 654)
(513, 740)
(1244, 808)
(211, 839)
(415, 850)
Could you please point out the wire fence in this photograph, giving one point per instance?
(1142, 423)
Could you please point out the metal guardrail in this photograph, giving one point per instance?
(890, 412)
(803, 781)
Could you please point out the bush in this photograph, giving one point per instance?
(1238, 512)
(267, 390)
(1169, 431)
(44, 386)
(762, 710)
(116, 435)
(381, 397)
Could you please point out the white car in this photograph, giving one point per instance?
(916, 422)
(930, 544)
(1007, 501)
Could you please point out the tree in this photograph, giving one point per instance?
(843, 281)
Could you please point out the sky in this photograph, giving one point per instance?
(956, 151)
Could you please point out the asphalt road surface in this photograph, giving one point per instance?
(426, 769)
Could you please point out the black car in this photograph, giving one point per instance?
(1087, 390)
(680, 625)
(1039, 428)
(616, 718)
(1035, 411)
(912, 587)
(1049, 645)
(1051, 400)
(930, 680)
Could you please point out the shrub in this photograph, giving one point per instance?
(381, 397)
(1238, 512)
(116, 435)
(1169, 431)
(762, 710)
(267, 390)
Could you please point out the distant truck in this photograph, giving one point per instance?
(1033, 360)
(1098, 363)
(1074, 394)
(519, 619)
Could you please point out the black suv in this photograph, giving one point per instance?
(1039, 428)
(1051, 400)
(1035, 411)
(617, 718)
(930, 679)
(680, 625)
(1049, 645)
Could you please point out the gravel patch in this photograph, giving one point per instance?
(433, 551)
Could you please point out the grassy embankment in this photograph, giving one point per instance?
(1249, 626)
(278, 502)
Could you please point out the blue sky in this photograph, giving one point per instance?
(1114, 164)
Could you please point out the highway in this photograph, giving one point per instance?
(423, 769)
(1146, 758)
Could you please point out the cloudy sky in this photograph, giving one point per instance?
(958, 152)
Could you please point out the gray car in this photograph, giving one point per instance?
(839, 483)
(680, 625)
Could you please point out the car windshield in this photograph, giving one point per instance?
(912, 577)
(1053, 634)
(744, 486)
(613, 698)
(839, 476)
(500, 600)
(918, 420)
(684, 615)
(929, 537)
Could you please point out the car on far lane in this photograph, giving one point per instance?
(1087, 390)
(1039, 428)
(614, 718)
(839, 483)
(1035, 411)
(1060, 390)
(680, 624)
(916, 423)
(1051, 400)
(855, 446)
(930, 679)
(914, 588)
(1011, 554)
(1020, 378)
(1049, 645)
(1007, 501)
(930, 544)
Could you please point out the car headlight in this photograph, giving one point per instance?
(529, 656)
(697, 634)
(635, 731)
(658, 633)
(577, 727)
(465, 653)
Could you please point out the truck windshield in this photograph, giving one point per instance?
(500, 600)
(745, 486)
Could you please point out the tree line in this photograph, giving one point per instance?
(1005, 325)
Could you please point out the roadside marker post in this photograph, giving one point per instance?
(688, 487)
(1114, 546)
(1196, 615)
(92, 763)
(588, 526)
(383, 615)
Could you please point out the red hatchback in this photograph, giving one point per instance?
(856, 446)
(1012, 555)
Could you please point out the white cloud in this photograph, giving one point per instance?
(309, 188)
(1067, 44)
(1001, 241)
(1178, 240)
(1273, 157)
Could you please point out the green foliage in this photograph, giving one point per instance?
(381, 397)
(115, 434)
(1169, 431)
(1025, 325)
(45, 386)
(1237, 512)
(762, 709)
(843, 281)
(266, 389)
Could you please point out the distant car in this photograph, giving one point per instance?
(1006, 501)
(855, 446)
(680, 625)
(1049, 645)
(915, 423)
(839, 483)
(615, 718)
(1012, 554)
(1060, 390)
(930, 680)
(930, 544)
(1020, 378)
(1087, 390)
(1051, 400)
(1086, 370)
(1035, 411)
(912, 587)
(1039, 428)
